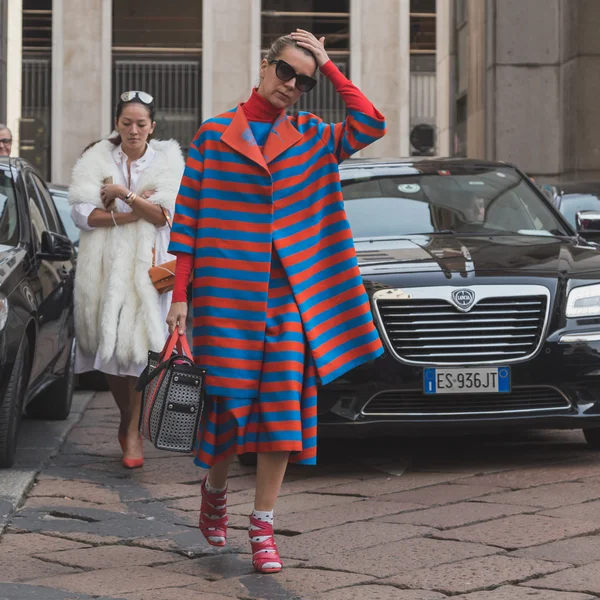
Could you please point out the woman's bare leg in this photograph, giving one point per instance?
(270, 471)
(217, 476)
(133, 443)
(119, 388)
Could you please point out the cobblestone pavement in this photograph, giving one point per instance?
(512, 518)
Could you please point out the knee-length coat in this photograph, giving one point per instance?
(235, 204)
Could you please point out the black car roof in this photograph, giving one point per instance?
(420, 162)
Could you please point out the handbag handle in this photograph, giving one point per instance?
(166, 216)
(179, 341)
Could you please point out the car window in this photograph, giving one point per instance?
(52, 218)
(9, 214)
(572, 203)
(466, 200)
(36, 213)
(63, 207)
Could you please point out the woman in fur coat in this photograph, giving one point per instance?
(123, 188)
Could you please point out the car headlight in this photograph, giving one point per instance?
(3, 311)
(584, 301)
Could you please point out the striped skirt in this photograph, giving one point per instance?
(284, 415)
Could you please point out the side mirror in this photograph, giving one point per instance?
(55, 247)
(588, 221)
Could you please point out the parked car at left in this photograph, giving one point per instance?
(37, 272)
(60, 195)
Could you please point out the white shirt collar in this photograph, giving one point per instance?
(121, 158)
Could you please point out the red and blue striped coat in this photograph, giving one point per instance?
(235, 203)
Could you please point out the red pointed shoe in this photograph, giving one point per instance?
(216, 528)
(264, 552)
(133, 463)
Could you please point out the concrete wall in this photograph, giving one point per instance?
(231, 53)
(14, 53)
(380, 66)
(3, 57)
(81, 87)
(445, 65)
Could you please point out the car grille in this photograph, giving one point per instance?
(415, 403)
(433, 331)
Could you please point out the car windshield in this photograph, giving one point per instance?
(9, 219)
(572, 203)
(484, 201)
(64, 210)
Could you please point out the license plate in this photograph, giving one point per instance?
(466, 380)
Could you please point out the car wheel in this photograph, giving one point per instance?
(592, 437)
(12, 407)
(248, 459)
(56, 400)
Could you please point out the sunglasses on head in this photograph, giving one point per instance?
(133, 94)
(286, 72)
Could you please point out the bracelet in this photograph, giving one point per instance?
(133, 198)
(128, 197)
(112, 214)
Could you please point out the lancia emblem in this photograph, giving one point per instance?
(463, 299)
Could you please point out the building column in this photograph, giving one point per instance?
(81, 80)
(230, 53)
(380, 66)
(14, 53)
(445, 63)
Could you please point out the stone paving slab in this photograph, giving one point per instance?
(475, 574)
(107, 557)
(580, 551)
(116, 582)
(437, 495)
(520, 531)
(548, 496)
(177, 593)
(25, 591)
(290, 583)
(397, 557)
(331, 516)
(455, 515)
(381, 592)
(588, 511)
(33, 543)
(363, 535)
(22, 568)
(297, 503)
(580, 579)
(510, 592)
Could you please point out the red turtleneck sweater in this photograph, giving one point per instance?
(259, 109)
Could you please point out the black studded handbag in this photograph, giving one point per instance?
(172, 389)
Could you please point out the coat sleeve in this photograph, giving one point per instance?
(187, 204)
(363, 125)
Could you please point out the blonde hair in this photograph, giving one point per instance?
(283, 42)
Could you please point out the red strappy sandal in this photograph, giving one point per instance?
(213, 527)
(263, 552)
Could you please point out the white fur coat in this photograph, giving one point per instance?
(116, 306)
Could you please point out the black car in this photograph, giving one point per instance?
(579, 202)
(486, 299)
(36, 305)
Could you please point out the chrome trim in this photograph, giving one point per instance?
(468, 413)
(483, 292)
(579, 338)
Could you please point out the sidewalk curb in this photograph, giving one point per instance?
(32, 457)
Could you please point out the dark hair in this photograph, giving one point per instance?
(283, 42)
(119, 110)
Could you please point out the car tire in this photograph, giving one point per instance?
(55, 401)
(248, 459)
(592, 437)
(12, 407)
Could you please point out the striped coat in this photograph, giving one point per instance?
(234, 205)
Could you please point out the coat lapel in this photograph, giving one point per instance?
(282, 136)
(238, 136)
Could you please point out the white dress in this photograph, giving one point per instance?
(80, 213)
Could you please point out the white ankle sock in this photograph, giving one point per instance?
(267, 517)
(217, 539)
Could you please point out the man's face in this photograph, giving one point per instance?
(5, 142)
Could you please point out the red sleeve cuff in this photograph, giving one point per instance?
(183, 271)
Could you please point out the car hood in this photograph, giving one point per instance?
(453, 253)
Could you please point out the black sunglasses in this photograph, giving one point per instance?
(286, 72)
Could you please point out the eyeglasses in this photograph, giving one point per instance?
(133, 94)
(286, 72)
(6, 141)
